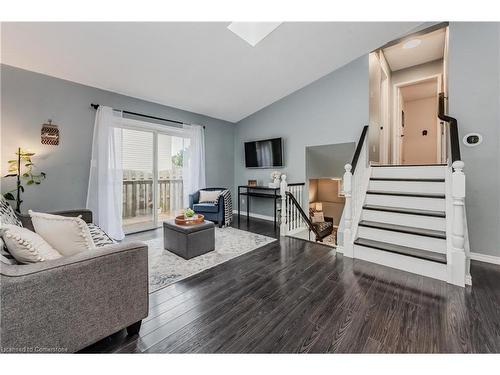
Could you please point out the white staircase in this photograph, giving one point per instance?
(407, 217)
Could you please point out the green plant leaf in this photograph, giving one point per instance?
(37, 182)
(30, 182)
(12, 161)
(26, 175)
(9, 196)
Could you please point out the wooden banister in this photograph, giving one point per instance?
(453, 126)
(359, 146)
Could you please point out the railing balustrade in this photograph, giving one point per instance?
(138, 196)
(290, 220)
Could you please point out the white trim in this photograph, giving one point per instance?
(256, 216)
(485, 258)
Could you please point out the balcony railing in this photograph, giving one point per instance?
(138, 197)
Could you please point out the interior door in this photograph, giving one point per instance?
(384, 118)
(401, 128)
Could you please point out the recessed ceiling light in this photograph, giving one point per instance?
(412, 43)
(253, 32)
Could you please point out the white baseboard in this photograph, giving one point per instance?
(257, 216)
(485, 258)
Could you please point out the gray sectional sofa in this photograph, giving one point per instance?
(66, 304)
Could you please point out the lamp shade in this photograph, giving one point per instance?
(319, 206)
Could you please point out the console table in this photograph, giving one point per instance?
(258, 192)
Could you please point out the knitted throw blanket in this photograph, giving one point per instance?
(228, 207)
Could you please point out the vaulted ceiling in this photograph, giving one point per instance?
(199, 67)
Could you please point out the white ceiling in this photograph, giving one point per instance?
(425, 89)
(431, 48)
(199, 67)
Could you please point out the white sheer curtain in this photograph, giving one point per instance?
(193, 170)
(105, 192)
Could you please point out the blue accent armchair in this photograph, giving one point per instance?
(211, 211)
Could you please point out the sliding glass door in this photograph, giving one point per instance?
(138, 185)
(170, 182)
(152, 162)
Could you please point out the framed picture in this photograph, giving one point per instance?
(252, 182)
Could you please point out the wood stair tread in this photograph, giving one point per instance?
(408, 211)
(402, 250)
(403, 194)
(404, 229)
(407, 179)
(407, 165)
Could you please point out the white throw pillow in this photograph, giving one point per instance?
(27, 246)
(68, 235)
(318, 217)
(209, 196)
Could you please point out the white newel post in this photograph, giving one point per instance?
(283, 221)
(458, 264)
(348, 243)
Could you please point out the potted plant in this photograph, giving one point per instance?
(21, 168)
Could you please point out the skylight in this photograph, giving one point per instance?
(253, 32)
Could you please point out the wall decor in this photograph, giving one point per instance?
(50, 134)
(252, 182)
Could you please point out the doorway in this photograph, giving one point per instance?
(418, 130)
(152, 163)
(405, 79)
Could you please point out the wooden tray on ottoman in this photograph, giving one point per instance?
(196, 219)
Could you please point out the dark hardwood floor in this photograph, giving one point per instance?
(293, 296)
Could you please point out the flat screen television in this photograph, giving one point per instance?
(267, 153)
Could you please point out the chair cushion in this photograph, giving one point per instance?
(7, 214)
(209, 196)
(99, 236)
(205, 207)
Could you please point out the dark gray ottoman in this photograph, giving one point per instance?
(189, 241)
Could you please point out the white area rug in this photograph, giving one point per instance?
(166, 268)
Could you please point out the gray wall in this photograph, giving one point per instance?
(328, 161)
(331, 110)
(29, 99)
(474, 99)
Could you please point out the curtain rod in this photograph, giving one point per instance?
(95, 106)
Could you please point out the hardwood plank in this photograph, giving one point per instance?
(294, 296)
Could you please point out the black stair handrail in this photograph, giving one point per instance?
(355, 158)
(453, 125)
(303, 214)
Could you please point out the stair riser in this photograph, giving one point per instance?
(436, 245)
(417, 221)
(419, 203)
(408, 186)
(402, 262)
(409, 172)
